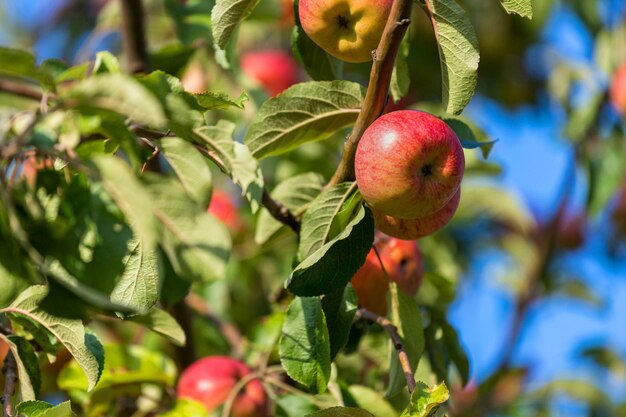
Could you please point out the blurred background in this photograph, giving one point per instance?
(539, 283)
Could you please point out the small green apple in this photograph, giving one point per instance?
(347, 29)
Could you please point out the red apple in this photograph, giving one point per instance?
(32, 164)
(408, 164)
(274, 69)
(411, 229)
(617, 92)
(224, 208)
(210, 380)
(402, 263)
(347, 29)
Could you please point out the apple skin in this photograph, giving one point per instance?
(274, 69)
(347, 29)
(412, 229)
(210, 380)
(408, 164)
(402, 261)
(617, 91)
(224, 208)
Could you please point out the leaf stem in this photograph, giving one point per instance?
(384, 59)
(396, 340)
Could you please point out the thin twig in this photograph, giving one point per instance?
(230, 332)
(398, 344)
(21, 89)
(378, 87)
(10, 381)
(280, 212)
(133, 37)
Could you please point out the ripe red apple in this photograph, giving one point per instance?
(224, 208)
(211, 379)
(408, 164)
(402, 263)
(411, 229)
(347, 29)
(617, 92)
(274, 69)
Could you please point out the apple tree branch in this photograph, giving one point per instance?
(384, 58)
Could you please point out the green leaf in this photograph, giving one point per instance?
(196, 243)
(225, 17)
(317, 221)
(405, 315)
(333, 265)
(468, 138)
(426, 401)
(119, 93)
(211, 100)
(341, 306)
(162, 323)
(318, 64)
(69, 332)
(44, 409)
(27, 366)
(400, 77)
(190, 167)
(523, 8)
(185, 407)
(234, 159)
(455, 351)
(18, 63)
(106, 63)
(139, 285)
(295, 193)
(303, 113)
(371, 400)
(132, 198)
(125, 367)
(58, 273)
(304, 345)
(458, 53)
(341, 412)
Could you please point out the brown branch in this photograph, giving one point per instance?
(21, 89)
(280, 212)
(133, 37)
(10, 380)
(378, 87)
(230, 332)
(398, 344)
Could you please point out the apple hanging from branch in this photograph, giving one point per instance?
(210, 381)
(347, 29)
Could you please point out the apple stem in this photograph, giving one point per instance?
(396, 339)
(133, 37)
(384, 59)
